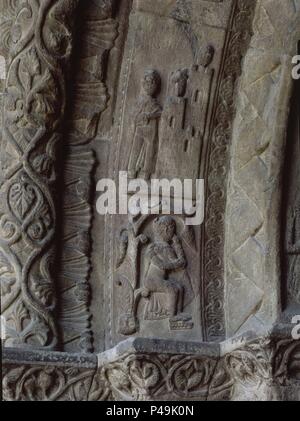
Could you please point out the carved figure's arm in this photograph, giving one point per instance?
(123, 246)
(155, 113)
(180, 253)
(291, 246)
(176, 264)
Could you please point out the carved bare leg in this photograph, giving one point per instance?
(33, 110)
(180, 299)
(173, 298)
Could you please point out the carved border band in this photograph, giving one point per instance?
(217, 168)
(267, 368)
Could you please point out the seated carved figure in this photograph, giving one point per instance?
(166, 256)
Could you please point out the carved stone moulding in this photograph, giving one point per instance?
(37, 39)
(46, 376)
(247, 368)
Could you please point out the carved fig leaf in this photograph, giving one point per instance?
(21, 198)
(29, 68)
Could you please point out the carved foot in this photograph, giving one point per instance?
(181, 322)
(128, 325)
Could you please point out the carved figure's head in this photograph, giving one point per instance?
(165, 228)
(151, 82)
(102, 8)
(206, 55)
(179, 80)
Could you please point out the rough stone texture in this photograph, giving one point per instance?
(147, 308)
(253, 215)
(144, 369)
(174, 87)
(37, 42)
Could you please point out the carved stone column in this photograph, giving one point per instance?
(38, 36)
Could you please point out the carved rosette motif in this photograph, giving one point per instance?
(39, 44)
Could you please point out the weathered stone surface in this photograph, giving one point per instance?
(174, 117)
(253, 235)
(145, 307)
(37, 39)
(254, 369)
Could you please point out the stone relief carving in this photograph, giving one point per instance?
(257, 370)
(154, 272)
(184, 119)
(158, 276)
(179, 134)
(216, 168)
(39, 44)
(145, 128)
(194, 128)
(266, 80)
(165, 257)
(95, 38)
(252, 372)
(47, 384)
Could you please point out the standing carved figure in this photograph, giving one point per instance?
(146, 128)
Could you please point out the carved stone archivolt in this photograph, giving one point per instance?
(89, 96)
(39, 41)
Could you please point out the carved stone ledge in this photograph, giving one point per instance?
(244, 368)
(46, 376)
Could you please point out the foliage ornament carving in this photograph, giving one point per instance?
(253, 371)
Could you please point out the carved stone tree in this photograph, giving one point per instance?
(38, 43)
